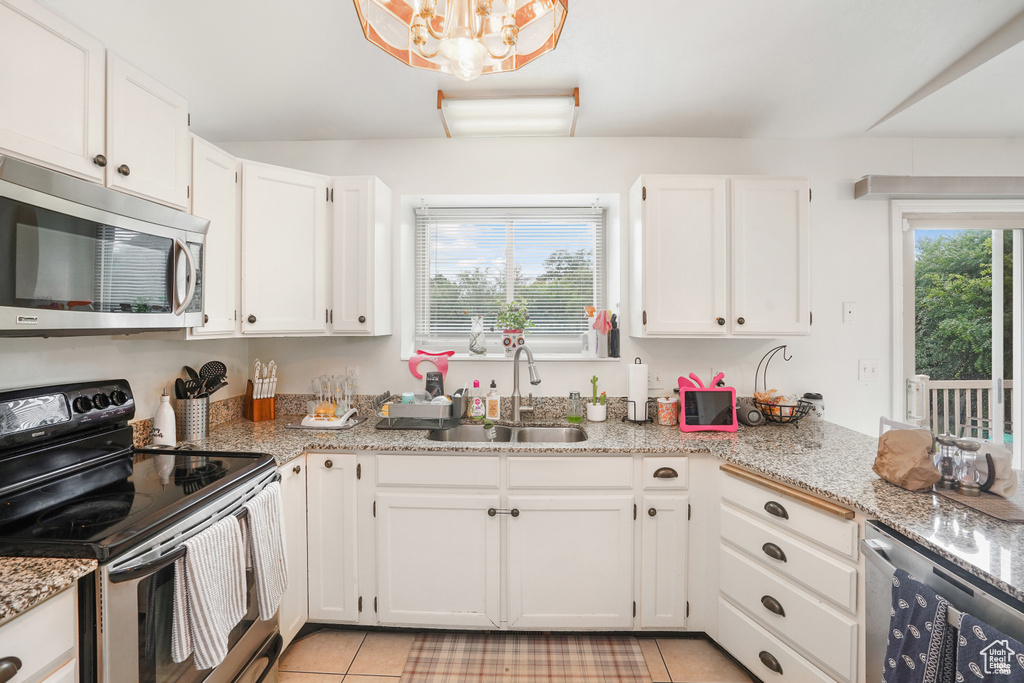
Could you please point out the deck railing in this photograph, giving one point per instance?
(952, 403)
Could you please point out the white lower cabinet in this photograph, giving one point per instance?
(331, 533)
(294, 605)
(45, 639)
(438, 559)
(664, 553)
(570, 561)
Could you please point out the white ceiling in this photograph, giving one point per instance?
(301, 70)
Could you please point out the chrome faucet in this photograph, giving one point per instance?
(517, 409)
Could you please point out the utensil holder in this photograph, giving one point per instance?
(257, 409)
(192, 418)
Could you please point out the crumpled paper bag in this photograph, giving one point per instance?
(905, 459)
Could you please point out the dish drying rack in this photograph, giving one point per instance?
(419, 415)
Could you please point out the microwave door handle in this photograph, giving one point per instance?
(180, 244)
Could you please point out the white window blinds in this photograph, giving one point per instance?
(468, 261)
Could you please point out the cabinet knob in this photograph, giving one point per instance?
(9, 668)
(99, 160)
(720, 321)
(773, 605)
(124, 170)
(296, 469)
(491, 512)
(251, 319)
(515, 512)
(652, 512)
(769, 661)
(773, 551)
(362, 318)
(328, 464)
(741, 320)
(773, 508)
(665, 473)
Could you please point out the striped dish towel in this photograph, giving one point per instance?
(265, 536)
(209, 593)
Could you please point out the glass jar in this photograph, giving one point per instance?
(946, 460)
(968, 479)
(575, 413)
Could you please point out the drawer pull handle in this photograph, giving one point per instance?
(9, 668)
(773, 551)
(491, 512)
(769, 661)
(773, 508)
(665, 473)
(773, 605)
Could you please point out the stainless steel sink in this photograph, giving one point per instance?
(469, 433)
(475, 434)
(550, 435)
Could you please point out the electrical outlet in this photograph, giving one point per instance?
(849, 313)
(867, 370)
(654, 381)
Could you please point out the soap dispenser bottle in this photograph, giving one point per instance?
(493, 403)
(477, 405)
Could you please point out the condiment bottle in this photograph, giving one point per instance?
(575, 414)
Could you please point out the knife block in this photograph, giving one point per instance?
(257, 409)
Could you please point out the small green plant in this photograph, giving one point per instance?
(604, 397)
(593, 380)
(513, 316)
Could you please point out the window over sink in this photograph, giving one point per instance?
(470, 260)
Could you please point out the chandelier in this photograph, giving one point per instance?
(464, 38)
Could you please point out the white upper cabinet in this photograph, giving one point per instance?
(147, 136)
(771, 261)
(52, 80)
(713, 256)
(284, 235)
(361, 248)
(215, 196)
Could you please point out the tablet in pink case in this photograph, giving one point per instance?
(706, 409)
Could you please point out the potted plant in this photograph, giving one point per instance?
(597, 409)
(513, 320)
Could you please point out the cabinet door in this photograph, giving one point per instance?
(771, 261)
(663, 581)
(570, 562)
(284, 230)
(361, 275)
(215, 197)
(53, 90)
(332, 542)
(147, 136)
(438, 560)
(294, 606)
(684, 256)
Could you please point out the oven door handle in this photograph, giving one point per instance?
(143, 570)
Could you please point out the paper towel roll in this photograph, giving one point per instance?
(636, 391)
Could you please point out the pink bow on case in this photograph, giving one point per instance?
(438, 358)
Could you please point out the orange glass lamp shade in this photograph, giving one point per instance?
(465, 38)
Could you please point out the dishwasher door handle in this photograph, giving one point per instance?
(874, 551)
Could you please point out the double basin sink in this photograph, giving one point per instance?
(476, 434)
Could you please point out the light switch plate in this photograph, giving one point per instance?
(867, 370)
(849, 313)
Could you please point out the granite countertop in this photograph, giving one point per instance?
(826, 459)
(28, 581)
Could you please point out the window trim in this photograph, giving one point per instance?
(609, 202)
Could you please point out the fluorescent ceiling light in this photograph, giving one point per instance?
(502, 117)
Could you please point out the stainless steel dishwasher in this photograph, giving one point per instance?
(886, 549)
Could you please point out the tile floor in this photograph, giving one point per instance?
(336, 656)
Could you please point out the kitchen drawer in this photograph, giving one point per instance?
(828, 529)
(754, 648)
(662, 466)
(831, 578)
(450, 471)
(570, 473)
(44, 638)
(821, 632)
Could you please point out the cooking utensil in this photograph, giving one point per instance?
(213, 369)
(192, 374)
(179, 389)
(216, 384)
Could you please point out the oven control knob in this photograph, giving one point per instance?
(118, 397)
(101, 401)
(82, 404)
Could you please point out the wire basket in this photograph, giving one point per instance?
(784, 413)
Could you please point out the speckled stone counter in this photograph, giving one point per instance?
(27, 581)
(826, 459)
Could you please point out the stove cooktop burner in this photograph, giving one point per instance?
(84, 516)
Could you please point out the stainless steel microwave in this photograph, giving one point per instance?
(77, 258)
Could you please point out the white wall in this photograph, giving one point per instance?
(850, 249)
